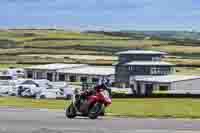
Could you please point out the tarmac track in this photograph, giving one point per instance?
(43, 121)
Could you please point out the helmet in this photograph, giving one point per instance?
(76, 91)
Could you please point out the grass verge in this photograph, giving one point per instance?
(148, 107)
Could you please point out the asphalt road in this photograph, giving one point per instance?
(43, 121)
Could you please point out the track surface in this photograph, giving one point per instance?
(43, 121)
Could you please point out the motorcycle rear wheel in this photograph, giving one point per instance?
(95, 111)
(70, 112)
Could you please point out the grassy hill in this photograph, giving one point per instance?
(37, 46)
(16, 46)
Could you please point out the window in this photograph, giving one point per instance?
(148, 89)
(5, 77)
(72, 78)
(95, 80)
(29, 74)
(50, 76)
(172, 70)
(163, 88)
(132, 68)
(18, 71)
(61, 77)
(83, 79)
(159, 71)
(49, 86)
(5, 72)
(39, 75)
(156, 58)
(155, 70)
(30, 82)
(4, 83)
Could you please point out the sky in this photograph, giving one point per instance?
(101, 14)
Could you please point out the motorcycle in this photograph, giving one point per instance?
(89, 105)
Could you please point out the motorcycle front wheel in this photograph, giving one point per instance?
(95, 111)
(70, 112)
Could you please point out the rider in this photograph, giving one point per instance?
(105, 84)
(102, 84)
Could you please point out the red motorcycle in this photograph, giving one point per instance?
(89, 103)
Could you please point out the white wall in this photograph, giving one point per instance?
(188, 86)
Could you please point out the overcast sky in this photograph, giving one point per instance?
(101, 14)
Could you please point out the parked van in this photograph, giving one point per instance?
(12, 74)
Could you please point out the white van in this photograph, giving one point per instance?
(12, 74)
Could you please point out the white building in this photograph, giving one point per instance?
(48, 71)
(88, 73)
(70, 72)
(146, 72)
(174, 84)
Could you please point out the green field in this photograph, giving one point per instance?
(148, 107)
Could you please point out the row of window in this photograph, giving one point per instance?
(132, 68)
(160, 71)
(39, 75)
(82, 79)
(61, 77)
(137, 69)
(163, 88)
(156, 58)
(153, 70)
(147, 58)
